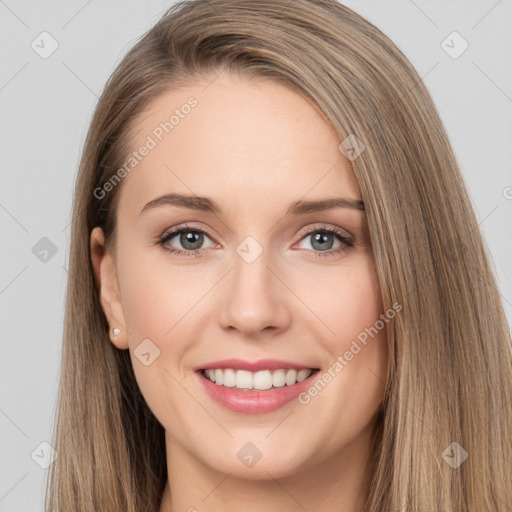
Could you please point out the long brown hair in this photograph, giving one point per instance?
(450, 371)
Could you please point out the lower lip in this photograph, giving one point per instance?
(254, 402)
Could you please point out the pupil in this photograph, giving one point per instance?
(322, 238)
(193, 238)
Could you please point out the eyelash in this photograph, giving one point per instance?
(344, 239)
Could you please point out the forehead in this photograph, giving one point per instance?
(236, 139)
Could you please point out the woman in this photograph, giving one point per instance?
(279, 298)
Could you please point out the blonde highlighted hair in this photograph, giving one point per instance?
(450, 366)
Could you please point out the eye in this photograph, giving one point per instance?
(190, 238)
(323, 240)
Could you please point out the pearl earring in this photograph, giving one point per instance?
(115, 332)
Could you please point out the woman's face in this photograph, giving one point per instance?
(257, 276)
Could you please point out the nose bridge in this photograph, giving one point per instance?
(255, 300)
(250, 273)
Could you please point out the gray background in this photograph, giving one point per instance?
(46, 106)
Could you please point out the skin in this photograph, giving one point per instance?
(253, 146)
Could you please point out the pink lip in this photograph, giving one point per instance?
(253, 366)
(254, 402)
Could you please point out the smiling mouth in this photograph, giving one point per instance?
(245, 380)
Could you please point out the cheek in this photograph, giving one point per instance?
(357, 345)
(161, 303)
(347, 301)
(156, 299)
(352, 382)
(362, 334)
(156, 295)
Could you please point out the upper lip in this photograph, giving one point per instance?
(253, 366)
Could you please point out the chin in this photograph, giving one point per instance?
(254, 461)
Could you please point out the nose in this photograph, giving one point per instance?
(255, 301)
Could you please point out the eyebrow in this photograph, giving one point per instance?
(208, 205)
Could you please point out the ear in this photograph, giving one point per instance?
(110, 299)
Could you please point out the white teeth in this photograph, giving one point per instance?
(243, 379)
(229, 378)
(278, 378)
(303, 375)
(261, 380)
(291, 377)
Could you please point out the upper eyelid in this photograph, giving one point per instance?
(174, 231)
(323, 227)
